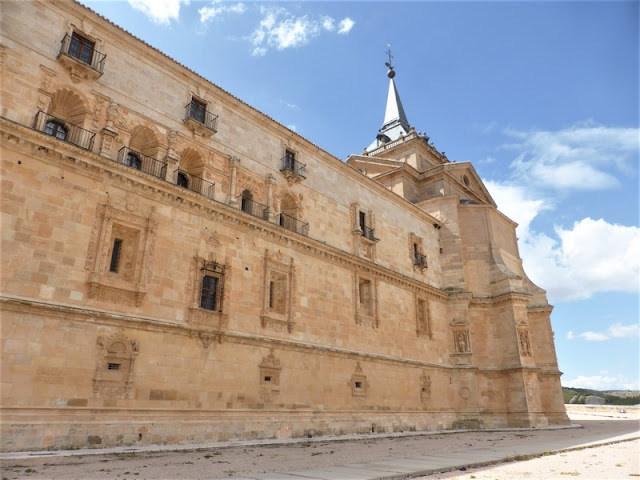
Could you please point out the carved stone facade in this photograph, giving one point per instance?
(143, 290)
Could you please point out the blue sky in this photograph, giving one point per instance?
(541, 97)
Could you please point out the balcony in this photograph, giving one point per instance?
(293, 224)
(420, 261)
(368, 233)
(62, 130)
(250, 206)
(292, 169)
(199, 120)
(81, 58)
(194, 183)
(141, 162)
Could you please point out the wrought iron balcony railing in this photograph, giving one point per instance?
(62, 130)
(293, 224)
(252, 207)
(194, 183)
(195, 111)
(83, 51)
(420, 260)
(291, 165)
(368, 233)
(141, 162)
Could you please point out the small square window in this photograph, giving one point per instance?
(358, 385)
(113, 366)
(267, 378)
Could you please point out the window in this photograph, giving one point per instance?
(115, 255)
(366, 301)
(364, 290)
(363, 222)
(278, 292)
(182, 180)
(81, 48)
(246, 203)
(56, 129)
(209, 297)
(416, 252)
(113, 366)
(133, 161)
(211, 286)
(198, 110)
(359, 385)
(423, 324)
(289, 160)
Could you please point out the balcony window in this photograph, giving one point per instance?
(81, 48)
(197, 110)
(199, 119)
(56, 129)
(133, 161)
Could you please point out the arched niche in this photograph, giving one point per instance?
(192, 161)
(69, 105)
(145, 141)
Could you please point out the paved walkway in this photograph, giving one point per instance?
(414, 466)
(354, 457)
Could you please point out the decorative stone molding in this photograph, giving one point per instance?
(358, 383)
(365, 295)
(423, 317)
(115, 360)
(137, 235)
(270, 369)
(279, 292)
(209, 322)
(425, 387)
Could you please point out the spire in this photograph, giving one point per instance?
(395, 121)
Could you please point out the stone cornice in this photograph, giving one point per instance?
(85, 315)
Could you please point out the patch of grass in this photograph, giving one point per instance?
(30, 470)
(573, 474)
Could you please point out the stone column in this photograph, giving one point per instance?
(233, 165)
(108, 134)
(171, 159)
(271, 181)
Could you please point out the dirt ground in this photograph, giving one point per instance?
(609, 462)
(243, 461)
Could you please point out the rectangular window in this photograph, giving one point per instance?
(115, 255)
(113, 366)
(81, 48)
(416, 252)
(208, 297)
(197, 110)
(289, 160)
(363, 221)
(277, 292)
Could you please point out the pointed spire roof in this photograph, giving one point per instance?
(395, 122)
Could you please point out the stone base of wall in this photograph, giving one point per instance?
(65, 428)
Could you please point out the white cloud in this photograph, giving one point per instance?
(218, 8)
(280, 29)
(616, 330)
(517, 204)
(592, 256)
(584, 156)
(602, 382)
(346, 24)
(159, 11)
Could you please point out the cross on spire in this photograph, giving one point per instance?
(390, 63)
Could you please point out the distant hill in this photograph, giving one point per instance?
(611, 397)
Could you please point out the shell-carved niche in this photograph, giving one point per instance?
(115, 361)
(144, 140)
(70, 105)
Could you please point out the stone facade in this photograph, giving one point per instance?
(202, 273)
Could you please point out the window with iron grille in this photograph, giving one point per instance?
(211, 286)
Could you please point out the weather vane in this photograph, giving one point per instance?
(391, 73)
